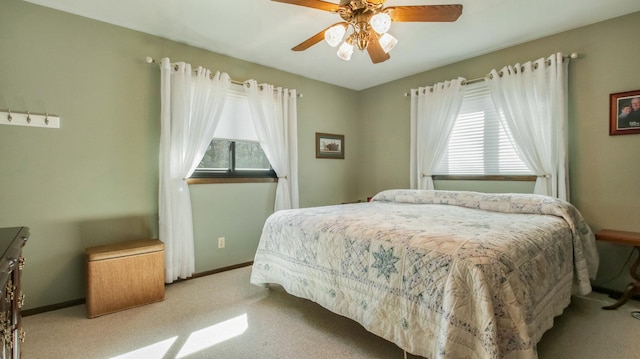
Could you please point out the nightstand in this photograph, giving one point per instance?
(628, 238)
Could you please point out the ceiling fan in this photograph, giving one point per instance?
(369, 21)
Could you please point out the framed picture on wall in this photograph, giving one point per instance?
(329, 145)
(624, 117)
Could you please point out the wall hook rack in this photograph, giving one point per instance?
(47, 120)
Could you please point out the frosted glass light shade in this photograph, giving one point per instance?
(334, 35)
(345, 51)
(380, 22)
(387, 42)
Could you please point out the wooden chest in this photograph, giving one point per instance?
(124, 275)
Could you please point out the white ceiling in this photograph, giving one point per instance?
(263, 31)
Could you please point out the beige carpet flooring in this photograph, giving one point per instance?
(223, 316)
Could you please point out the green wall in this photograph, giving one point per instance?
(604, 170)
(94, 180)
(233, 211)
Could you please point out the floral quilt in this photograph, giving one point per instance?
(442, 274)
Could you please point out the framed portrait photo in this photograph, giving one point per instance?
(329, 145)
(624, 117)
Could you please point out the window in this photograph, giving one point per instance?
(226, 158)
(234, 150)
(479, 145)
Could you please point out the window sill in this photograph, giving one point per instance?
(484, 178)
(211, 180)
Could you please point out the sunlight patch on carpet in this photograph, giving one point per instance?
(155, 350)
(213, 335)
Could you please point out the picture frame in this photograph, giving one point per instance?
(329, 145)
(624, 113)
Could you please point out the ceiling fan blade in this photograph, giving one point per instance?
(425, 13)
(372, 2)
(315, 38)
(316, 4)
(375, 51)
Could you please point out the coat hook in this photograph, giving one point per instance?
(28, 117)
(46, 118)
(9, 117)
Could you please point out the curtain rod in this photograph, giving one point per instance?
(573, 55)
(151, 60)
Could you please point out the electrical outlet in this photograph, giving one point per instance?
(221, 242)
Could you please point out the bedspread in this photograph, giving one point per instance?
(443, 274)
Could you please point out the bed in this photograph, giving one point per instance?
(442, 274)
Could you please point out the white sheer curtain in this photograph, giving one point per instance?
(532, 98)
(274, 114)
(191, 107)
(433, 113)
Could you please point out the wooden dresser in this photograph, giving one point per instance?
(11, 298)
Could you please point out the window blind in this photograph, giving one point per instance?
(479, 145)
(235, 122)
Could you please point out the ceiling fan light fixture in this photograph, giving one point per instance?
(387, 42)
(334, 35)
(345, 51)
(380, 22)
(365, 24)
